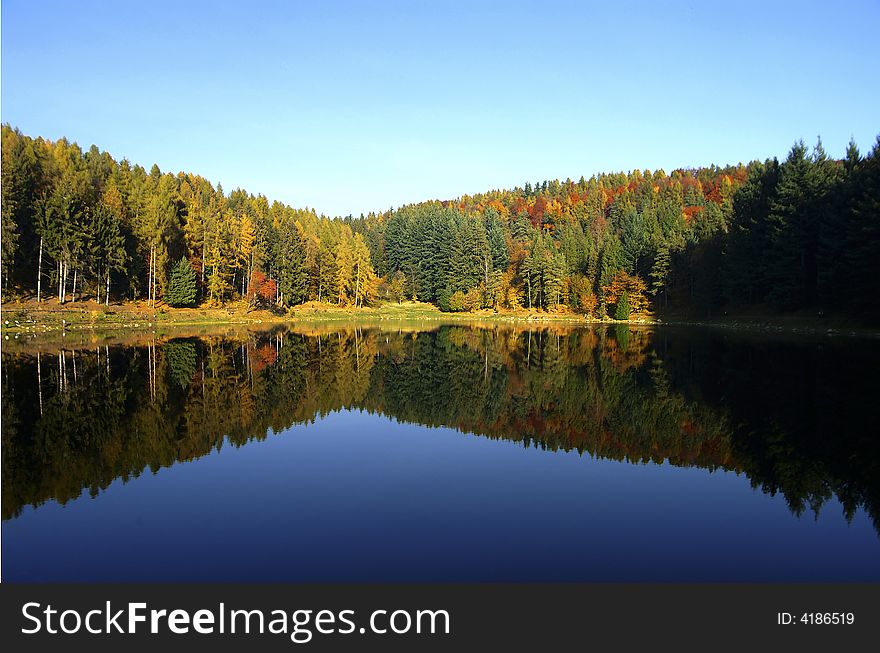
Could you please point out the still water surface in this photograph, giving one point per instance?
(449, 453)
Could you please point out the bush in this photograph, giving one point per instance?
(473, 300)
(458, 301)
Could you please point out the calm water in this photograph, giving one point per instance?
(444, 454)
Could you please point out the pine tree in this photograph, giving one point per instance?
(497, 242)
(292, 275)
(746, 262)
(106, 248)
(622, 309)
(181, 289)
(9, 239)
(862, 237)
(468, 251)
(659, 274)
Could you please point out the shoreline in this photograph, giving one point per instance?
(18, 318)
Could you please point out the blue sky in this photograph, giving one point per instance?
(351, 107)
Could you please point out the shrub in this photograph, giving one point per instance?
(457, 301)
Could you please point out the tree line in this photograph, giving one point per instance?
(803, 233)
(79, 224)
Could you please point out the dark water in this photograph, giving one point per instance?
(457, 453)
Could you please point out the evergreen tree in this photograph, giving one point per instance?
(746, 262)
(290, 261)
(497, 242)
(181, 289)
(106, 248)
(659, 274)
(622, 309)
(862, 236)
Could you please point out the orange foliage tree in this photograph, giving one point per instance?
(261, 287)
(632, 285)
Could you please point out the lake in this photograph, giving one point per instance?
(417, 452)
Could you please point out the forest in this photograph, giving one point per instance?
(801, 234)
(80, 417)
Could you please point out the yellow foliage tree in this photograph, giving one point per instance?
(245, 250)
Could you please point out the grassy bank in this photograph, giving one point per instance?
(20, 317)
(30, 316)
(85, 323)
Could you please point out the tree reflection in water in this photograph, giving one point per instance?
(793, 416)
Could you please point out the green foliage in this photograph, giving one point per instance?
(181, 289)
(622, 335)
(544, 271)
(289, 265)
(182, 359)
(799, 237)
(496, 241)
(622, 309)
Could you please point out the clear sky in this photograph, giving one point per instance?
(350, 107)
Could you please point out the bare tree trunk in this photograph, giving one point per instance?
(73, 291)
(357, 287)
(66, 267)
(150, 276)
(204, 247)
(155, 267)
(64, 368)
(150, 370)
(40, 275)
(107, 290)
(40, 382)
(250, 273)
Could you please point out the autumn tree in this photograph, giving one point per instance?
(627, 286)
